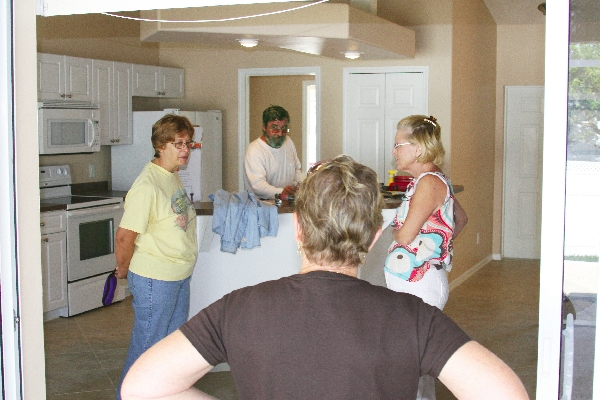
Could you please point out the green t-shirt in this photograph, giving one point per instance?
(159, 209)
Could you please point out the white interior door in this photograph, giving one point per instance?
(522, 204)
(374, 102)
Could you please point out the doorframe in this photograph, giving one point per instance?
(244, 76)
(306, 123)
(556, 80)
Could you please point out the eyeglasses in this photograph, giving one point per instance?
(277, 129)
(396, 145)
(181, 145)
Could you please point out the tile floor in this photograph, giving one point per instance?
(497, 307)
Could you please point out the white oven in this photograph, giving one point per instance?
(92, 223)
(91, 240)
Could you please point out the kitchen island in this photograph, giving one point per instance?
(218, 273)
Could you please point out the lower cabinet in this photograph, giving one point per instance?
(54, 264)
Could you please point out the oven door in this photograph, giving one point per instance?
(91, 240)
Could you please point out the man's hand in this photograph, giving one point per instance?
(289, 190)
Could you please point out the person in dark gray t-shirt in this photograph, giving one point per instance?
(323, 333)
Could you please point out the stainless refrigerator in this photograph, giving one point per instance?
(204, 173)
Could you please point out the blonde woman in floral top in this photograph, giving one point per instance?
(426, 222)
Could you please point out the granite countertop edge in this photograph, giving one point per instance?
(202, 207)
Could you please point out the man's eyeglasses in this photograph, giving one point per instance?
(277, 129)
(180, 145)
(396, 145)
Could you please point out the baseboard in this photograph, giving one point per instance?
(496, 257)
(461, 279)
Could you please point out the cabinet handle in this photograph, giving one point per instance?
(42, 224)
(69, 96)
(45, 240)
(63, 95)
(118, 140)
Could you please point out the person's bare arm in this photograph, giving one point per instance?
(124, 245)
(460, 218)
(429, 195)
(475, 373)
(168, 370)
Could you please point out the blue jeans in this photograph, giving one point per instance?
(159, 308)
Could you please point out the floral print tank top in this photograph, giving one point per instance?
(433, 245)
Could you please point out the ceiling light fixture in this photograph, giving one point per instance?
(352, 55)
(248, 42)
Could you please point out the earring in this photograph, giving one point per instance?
(363, 258)
(299, 250)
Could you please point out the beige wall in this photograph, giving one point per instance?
(520, 55)
(473, 116)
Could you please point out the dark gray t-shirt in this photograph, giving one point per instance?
(324, 335)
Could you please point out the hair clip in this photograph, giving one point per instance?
(431, 120)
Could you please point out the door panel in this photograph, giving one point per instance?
(375, 102)
(366, 120)
(523, 171)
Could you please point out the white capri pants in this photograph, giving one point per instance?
(433, 289)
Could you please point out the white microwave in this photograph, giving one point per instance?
(68, 130)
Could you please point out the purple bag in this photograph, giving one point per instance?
(109, 289)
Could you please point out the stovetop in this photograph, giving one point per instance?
(55, 189)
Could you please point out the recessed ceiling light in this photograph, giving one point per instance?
(248, 42)
(352, 55)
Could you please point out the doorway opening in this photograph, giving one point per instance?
(246, 124)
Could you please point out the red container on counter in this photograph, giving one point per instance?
(400, 183)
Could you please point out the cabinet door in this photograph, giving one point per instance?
(102, 72)
(51, 77)
(171, 82)
(145, 80)
(121, 107)
(78, 79)
(54, 270)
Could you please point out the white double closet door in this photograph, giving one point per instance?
(374, 102)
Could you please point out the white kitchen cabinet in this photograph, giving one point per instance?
(54, 259)
(64, 78)
(122, 122)
(112, 94)
(153, 81)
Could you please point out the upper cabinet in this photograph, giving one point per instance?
(152, 81)
(112, 94)
(64, 78)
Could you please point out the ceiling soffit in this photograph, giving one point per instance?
(326, 29)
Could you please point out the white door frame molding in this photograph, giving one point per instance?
(244, 106)
(553, 200)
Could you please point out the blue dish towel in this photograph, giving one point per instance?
(241, 220)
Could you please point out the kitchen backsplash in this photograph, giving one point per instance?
(80, 165)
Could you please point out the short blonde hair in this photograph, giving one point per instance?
(427, 133)
(339, 211)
